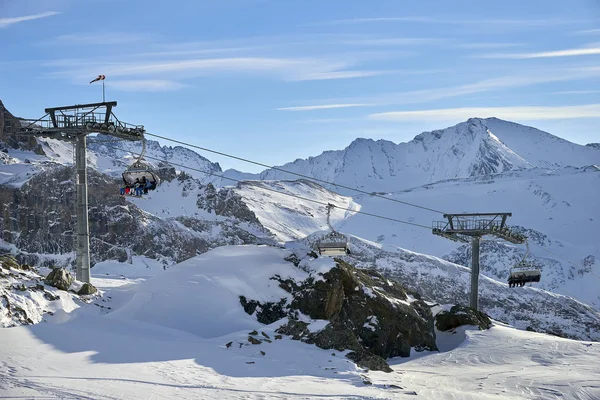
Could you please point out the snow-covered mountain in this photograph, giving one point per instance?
(477, 166)
(472, 148)
(556, 209)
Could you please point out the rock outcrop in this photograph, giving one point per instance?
(460, 315)
(368, 314)
(24, 297)
(38, 218)
(8, 124)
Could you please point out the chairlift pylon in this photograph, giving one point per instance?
(140, 169)
(334, 243)
(524, 272)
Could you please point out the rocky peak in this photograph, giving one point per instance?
(9, 123)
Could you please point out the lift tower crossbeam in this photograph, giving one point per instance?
(471, 228)
(73, 124)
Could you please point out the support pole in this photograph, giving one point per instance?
(83, 230)
(475, 273)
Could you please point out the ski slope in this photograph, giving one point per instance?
(556, 208)
(161, 339)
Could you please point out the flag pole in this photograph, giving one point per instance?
(103, 100)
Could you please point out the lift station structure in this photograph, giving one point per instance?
(470, 228)
(73, 124)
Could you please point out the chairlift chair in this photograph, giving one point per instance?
(141, 169)
(524, 272)
(334, 243)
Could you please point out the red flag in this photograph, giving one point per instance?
(99, 78)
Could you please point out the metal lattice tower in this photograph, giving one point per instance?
(471, 228)
(73, 124)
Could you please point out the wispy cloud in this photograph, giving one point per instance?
(587, 32)
(450, 20)
(322, 107)
(95, 39)
(145, 85)
(486, 45)
(391, 41)
(290, 69)
(513, 113)
(585, 51)
(482, 86)
(4, 22)
(577, 92)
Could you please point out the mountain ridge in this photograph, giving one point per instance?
(474, 147)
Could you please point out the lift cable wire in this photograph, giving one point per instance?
(284, 193)
(294, 173)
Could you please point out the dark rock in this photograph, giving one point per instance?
(335, 336)
(254, 332)
(253, 340)
(59, 278)
(295, 329)
(370, 361)
(266, 313)
(459, 316)
(278, 337)
(228, 345)
(249, 306)
(8, 125)
(87, 289)
(350, 298)
(265, 335)
(293, 259)
(225, 202)
(369, 315)
(262, 353)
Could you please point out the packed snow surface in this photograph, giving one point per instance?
(165, 337)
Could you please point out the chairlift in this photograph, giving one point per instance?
(524, 272)
(334, 243)
(140, 169)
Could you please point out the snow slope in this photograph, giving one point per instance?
(155, 343)
(291, 218)
(541, 148)
(557, 209)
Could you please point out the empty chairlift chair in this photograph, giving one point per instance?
(524, 272)
(334, 243)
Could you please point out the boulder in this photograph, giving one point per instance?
(459, 316)
(87, 289)
(60, 278)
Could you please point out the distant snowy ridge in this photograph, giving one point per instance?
(472, 148)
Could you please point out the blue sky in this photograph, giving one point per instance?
(276, 80)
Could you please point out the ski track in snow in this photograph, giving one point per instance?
(138, 354)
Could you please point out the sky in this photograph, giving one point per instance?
(276, 80)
